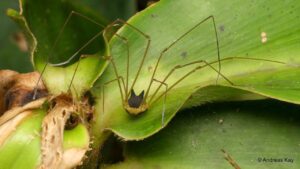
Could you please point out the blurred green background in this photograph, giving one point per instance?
(10, 55)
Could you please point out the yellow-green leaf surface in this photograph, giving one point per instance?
(256, 135)
(42, 23)
(257, 29)
(76, 138)
(23, 146)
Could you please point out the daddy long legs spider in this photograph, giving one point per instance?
(136, 104)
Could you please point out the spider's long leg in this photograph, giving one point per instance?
(85, 45)
(125, 41)
(72, 13)
(206, 64)
(144, 54)
(164, 102)
(109, 82)
(185, 65)
(181, 37)
(60, 33)
(231, 161)
(247, 58)
(80, 49)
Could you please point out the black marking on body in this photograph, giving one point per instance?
(134, 100)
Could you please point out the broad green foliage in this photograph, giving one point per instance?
(77, 137)
(247, 131)
(22, 147)
(42, 22)
(262, 37)
(242, 27)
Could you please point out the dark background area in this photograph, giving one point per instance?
(12, 58)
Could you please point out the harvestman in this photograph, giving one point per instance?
(136, 104)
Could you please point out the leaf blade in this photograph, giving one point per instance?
(239, 35)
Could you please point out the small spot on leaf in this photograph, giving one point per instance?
(263, 37)
(150, 68)
(222, 28)
(183, 54)
(153, 15)
(221, 121)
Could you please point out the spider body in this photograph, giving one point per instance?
(135, 104)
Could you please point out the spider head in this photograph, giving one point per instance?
(135, 104)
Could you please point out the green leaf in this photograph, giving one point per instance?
(241, 27)
(114, 9)
(247, 131)
(42, 22)
(76, 138)
(23, 146)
